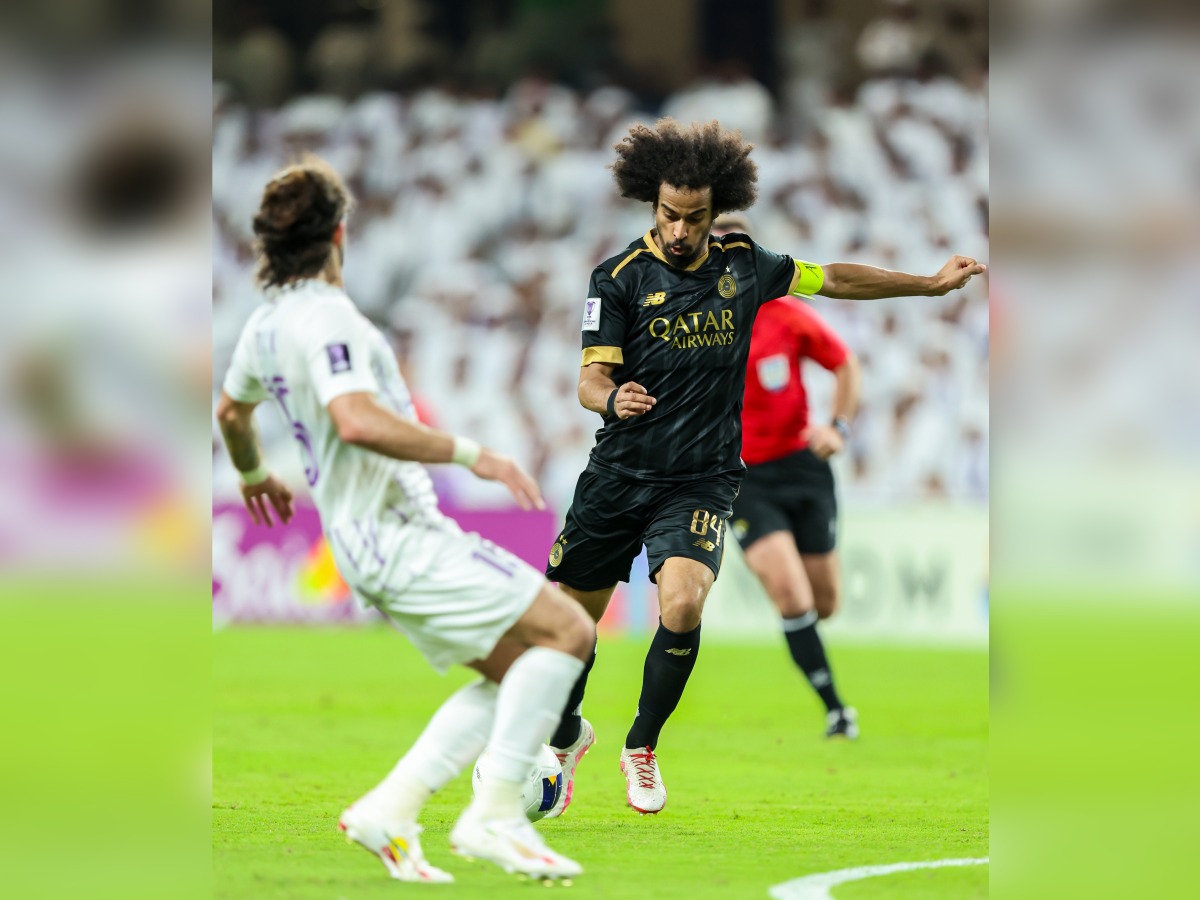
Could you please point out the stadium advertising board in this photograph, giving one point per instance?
(908, 574)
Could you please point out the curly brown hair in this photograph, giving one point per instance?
(300, 210)
(700, 156)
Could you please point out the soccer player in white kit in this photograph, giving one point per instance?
(458, 598)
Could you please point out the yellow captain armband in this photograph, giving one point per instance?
(809, 278)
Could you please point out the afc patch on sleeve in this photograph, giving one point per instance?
(591, 314)
(339, 357)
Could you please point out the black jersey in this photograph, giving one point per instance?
(684, 335)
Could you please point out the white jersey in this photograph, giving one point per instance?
(306, 345)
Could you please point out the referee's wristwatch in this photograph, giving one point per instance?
(841, 426)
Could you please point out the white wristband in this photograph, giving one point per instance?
(255, 476)
(466, 452)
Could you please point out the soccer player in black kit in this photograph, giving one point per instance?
(666, 334)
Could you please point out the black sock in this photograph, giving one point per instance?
(809, 654)
(669, 662)
(572, 720)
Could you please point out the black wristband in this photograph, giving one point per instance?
(612, 402)
(841, 426)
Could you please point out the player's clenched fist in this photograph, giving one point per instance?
(956, 273)
(632, 400)
(824, 440)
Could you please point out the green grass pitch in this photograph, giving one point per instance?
(305, 720)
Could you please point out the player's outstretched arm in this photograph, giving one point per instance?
(851, 281)
(259, 486)
(362, 421)
(599, 393)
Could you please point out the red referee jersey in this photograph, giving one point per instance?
(775, 407)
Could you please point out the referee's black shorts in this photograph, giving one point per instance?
(611, 518)
(794, 493)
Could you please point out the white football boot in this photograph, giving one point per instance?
(397, 846)
(569, 758)
(512, 844)
(644, 788)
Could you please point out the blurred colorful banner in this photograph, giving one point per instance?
(287, 574)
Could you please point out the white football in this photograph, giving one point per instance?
(543, 787)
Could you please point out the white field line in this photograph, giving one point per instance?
(817, 887)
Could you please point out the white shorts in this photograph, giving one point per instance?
(463, 602)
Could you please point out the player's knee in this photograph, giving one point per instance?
(682, 615)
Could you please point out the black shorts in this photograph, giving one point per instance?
(795, 493)
(610, 519)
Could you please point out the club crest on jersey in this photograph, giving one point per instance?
(339, 357)
(556, 553)
(726, 286)
(591, 314)
(774, 373)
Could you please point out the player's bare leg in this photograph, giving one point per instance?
(825, 575)
(683, 585)
(594, 602)
(776, 562)
(575, 735)
(784, 575)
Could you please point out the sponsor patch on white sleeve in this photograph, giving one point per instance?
(591, 314)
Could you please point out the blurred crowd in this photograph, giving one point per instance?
(479, 219)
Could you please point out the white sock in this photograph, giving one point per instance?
(453, 739)
(528, 707)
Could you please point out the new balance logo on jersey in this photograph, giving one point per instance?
(656, 299)
(680, 651)
(704, 545)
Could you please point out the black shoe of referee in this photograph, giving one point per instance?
(842, 723)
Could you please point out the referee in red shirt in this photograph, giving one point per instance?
(785, 517)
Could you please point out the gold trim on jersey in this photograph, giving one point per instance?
(612, 355)
(623, 262)
(652, 246)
